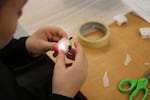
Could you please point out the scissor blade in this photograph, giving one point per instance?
(147, 75)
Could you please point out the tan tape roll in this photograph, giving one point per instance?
(89, 27)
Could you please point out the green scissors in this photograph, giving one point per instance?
(138, 85)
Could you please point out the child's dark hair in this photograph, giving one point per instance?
(2, 2)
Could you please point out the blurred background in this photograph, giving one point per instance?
(69, 14)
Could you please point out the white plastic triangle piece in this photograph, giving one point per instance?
(127, 60)
(105, 80)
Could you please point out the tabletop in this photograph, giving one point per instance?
(123, 40)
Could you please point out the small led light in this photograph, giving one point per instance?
(64, 44)
(61, 46)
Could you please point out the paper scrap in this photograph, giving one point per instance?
(127, 60)
(105, 80)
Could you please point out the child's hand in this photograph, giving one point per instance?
(67, 81)
(43, 40)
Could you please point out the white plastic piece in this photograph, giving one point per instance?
(145, 32)
(147, 64)
(127, 60)
(120, 19)
(105, 80)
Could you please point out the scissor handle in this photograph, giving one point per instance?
(139, 85)
(142, 85)
(132, 84)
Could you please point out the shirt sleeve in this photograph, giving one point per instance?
(10, 90)
(59, 97)
(15, 53)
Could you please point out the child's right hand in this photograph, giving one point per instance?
(67, 81)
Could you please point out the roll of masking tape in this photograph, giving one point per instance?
(90, 27)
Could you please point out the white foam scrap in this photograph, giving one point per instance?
(127, 60)
(120, 19)
(145, 32)
(105, 80)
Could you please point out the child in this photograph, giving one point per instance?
(66, 81)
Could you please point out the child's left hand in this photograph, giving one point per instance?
(44, 40)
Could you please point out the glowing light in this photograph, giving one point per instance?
(61, 46)
(64, 44)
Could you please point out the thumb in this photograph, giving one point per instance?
(60, 60)
(49, 45)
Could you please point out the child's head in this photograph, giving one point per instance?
(10, 12)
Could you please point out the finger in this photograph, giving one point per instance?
(80, 55)
(56, 50)
(56, 31)
(60, 32)
(60, 60)
(48, 45)
(79, 49)
(52, 32)
(56, 47)
(56, 38)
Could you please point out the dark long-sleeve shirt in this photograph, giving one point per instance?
(12, 56)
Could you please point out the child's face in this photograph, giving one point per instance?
(9, 15)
